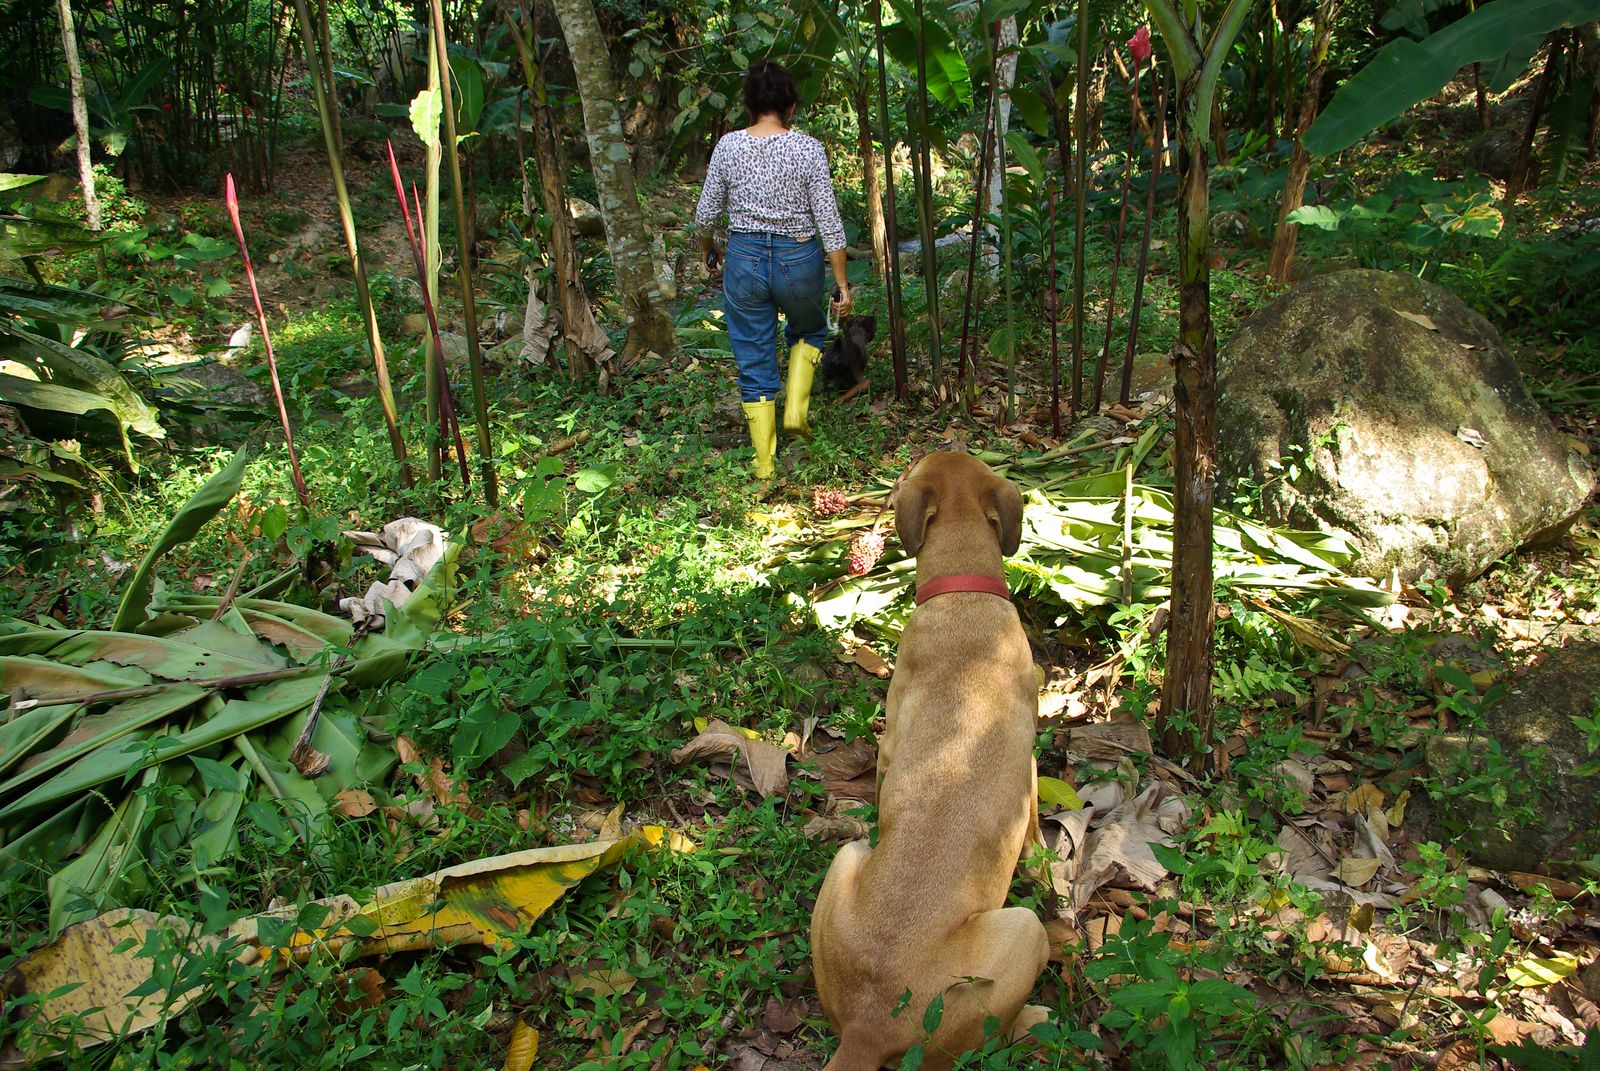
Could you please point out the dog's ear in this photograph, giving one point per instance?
(1007, 516)
(913, 505)
(869, 325)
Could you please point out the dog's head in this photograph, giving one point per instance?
(861, 329)
(951, 486)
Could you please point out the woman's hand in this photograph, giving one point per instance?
(841, 300)
(711, 252)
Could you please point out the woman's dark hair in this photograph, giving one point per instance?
(769, 90)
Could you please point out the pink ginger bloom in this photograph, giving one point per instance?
(1139, 45)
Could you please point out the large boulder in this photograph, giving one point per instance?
(1408, 426)
(1551, 810)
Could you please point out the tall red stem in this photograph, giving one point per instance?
(447, 406)
(232, 197)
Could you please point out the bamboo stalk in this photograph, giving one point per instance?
(963, 355)
(924, 176)
(480, 399)
(327, 111)
(232, 198)
(1053, 295)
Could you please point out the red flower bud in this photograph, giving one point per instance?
(247, 112)
(1139, 46)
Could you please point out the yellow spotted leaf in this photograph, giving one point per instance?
(1356, 872)
(1535, 971)
(1363, 798)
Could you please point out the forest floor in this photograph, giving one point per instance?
(678, 959)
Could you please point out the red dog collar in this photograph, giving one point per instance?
(960, 582)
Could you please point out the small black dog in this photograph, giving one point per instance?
(844, 363)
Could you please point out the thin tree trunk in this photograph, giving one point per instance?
(1137, 306)
(588, 347)
(897, 328)
(1080, 116)
(1281, 261)
(871, 188)
(80, 114)
(649, 326)
(1541, 94)
(1005, 76)
(922, 155)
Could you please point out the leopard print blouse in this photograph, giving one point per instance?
(776, 185)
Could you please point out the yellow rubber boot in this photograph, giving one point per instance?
(803, 361)
(762, 416)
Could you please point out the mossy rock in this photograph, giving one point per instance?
(1543, 769)
(1413, 430)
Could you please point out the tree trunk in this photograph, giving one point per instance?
(1519, 171)
(1005, 76)
(649, 326)
(1287, 234)
(80, 114)
(1186, 694)
(588, 347)
(871, 188)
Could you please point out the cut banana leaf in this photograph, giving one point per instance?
(103, 730)
(205, 504)
(110, 867)
(31, 677)
(265, 705)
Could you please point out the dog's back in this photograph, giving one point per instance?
(924, 909)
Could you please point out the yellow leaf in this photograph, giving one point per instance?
(1356, 872)
(85, 956)
(1419, 319)
(1483, 679)
(524, 1047)
(1534, 971)
(1397, 810)
(1058, 793)
(1363, 798)
(611, 828)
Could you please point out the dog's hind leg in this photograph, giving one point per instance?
(993, 962)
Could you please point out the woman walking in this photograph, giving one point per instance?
(774, 184)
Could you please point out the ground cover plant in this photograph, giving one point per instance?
(550, 775)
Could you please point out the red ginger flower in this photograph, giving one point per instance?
(865, 550)
(1139, 45)
(827, 503)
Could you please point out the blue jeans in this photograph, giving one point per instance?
(766, 273)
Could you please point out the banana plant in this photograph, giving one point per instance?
(1197, 58)
(1407, 71)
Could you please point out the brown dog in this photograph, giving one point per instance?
(922, 912)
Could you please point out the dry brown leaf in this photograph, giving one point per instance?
(766, 765)
(354, 803)
(871, 661)
(782, 1016)
(1508, 1031)
(1356, 872)
(844, 762)
(1418, 319)
(1363, 798)
(1104, 740)
(1064, 939)
(362, 988)
(603, 983)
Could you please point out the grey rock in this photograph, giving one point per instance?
(217, 383)
(1533, 729)
(586, 218)
(1384, 413)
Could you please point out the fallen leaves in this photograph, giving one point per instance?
(765, 765)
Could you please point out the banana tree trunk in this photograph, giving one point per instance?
(1287, 234)
(649, 326)
(588, 347)
(1186, 718)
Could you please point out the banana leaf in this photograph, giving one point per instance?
(205, 504)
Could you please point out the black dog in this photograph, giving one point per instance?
(844, 363)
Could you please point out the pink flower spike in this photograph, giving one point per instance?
(1139, 46)
(231, 195)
